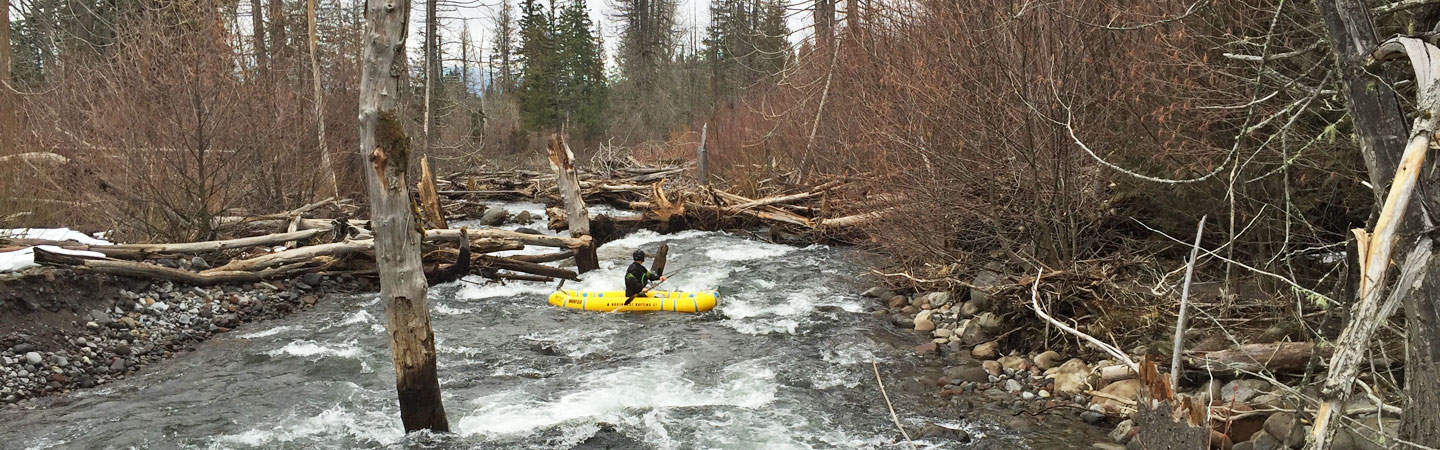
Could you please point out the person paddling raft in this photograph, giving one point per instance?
(637, 277)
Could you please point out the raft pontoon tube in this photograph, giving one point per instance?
(610, 301)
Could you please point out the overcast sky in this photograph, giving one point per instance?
(693, 15)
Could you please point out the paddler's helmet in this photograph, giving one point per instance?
(639, 255)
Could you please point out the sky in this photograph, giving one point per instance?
(694, 15)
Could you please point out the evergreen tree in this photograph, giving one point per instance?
(502, 51)
(539, 78)
(582, 78)
(772, 48)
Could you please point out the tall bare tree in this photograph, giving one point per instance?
(277, 29)
(397, 240)
(319, 99)
(432, 73)
(5, 41)
(257, 32)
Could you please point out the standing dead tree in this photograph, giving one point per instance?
(397, 239)
(1375, 255)
(578, 217)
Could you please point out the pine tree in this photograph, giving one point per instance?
(582, 81)
(771, 47)
(502, 51)
(539, 77)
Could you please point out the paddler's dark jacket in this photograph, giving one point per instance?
(636, 277)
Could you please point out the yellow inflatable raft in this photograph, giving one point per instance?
(690, 302)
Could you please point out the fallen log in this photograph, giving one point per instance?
(529, 239)
(140, 251)
(543, 258)
(504, 263)
(1274, 357)
(153, 271)
(333, 249)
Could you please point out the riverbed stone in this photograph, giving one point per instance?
(1014, 363)
(984, 282)
(494, 216)
(944, 332)
(897, 301)
(923, 322)
(1047, 359)
(524, 217)
(988, 350)
(973, 374)
(1070, 377)
(33, 358)
(1242, 390)
(1285, 429)
(992, 367)
(927, 348)
(1013, 386)
(1123, 431)
(1123, 389)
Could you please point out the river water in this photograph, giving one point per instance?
(784, 361)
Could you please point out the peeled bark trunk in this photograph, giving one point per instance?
(397, 241)
(575, 212)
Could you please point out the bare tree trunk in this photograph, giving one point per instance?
(575, 212)
(432, 71)
(852, 16)
(4, 42)
(257, 32)
(1420, 424)
(1379, 121)
(277, 29)
(824, 22)
(701, 156)
(325, 163)
(397, 240)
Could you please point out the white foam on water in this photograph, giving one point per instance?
(473, 291)
(762, 326)
(614, 395)
(577, 346)
(307, 349)
(358, 317)
(269, 332)
(371, 426)
(447, 310)
(748, 251)
(629, 243)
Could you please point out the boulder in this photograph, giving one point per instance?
(937, 299)
(33, 358)
(1123, 432)
(988, 350)
(987, 280)
(927, 348)
(1013, 386)
(1047, 359)
(494, 216)
(1071, 377)
(897, 301)
(523, 218)
(1125, 389)
(968, 309)
(944, 333)
(933, 431)
(989, 323)
(198, 263)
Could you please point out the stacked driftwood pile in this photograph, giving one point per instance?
(300, 241)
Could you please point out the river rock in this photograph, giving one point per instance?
(494, 216)
(988, 350)
(992, 368)
(989, 323)
(984, 282)
(927, 348)
(528, 230)
(1107, 446)
(1123, 431)
(1013, 386)
(923, 322)
(523, 217)
(898, 301)
(902, 320)
(878, 292)
(973, 374)
(969, 309)
(33, 358)
(1014, 363)
(933, 431)
(944, 333)
(1047, 359)
(1070, 377)
(1125, 389)
(1285, 429)
(937, 299)
(1260, 441)
(1242, 390)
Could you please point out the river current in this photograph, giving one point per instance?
(784, 361)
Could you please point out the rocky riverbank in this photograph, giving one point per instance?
(963, 333)
(63, 330)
